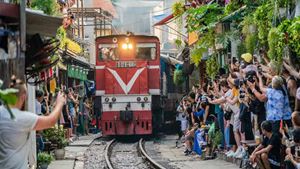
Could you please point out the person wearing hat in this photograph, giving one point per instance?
(247, 64)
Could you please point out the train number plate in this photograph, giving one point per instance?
(126, 64)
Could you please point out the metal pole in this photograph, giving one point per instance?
(82, 25)
(78, 26)
(21, 60)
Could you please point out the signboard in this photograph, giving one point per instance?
(125, 64)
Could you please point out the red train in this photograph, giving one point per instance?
(127, 83)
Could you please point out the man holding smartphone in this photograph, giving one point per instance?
(15, 133)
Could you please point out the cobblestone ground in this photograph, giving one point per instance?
(94, 156)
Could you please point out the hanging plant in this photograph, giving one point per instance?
(212, 66)
(294, 36)
(232, 6)
(282, 3)
(249, 32)
(241, 48)
(196, 55)
(250, 43)
(263, 16)
(275, 41)
(178, 43)
(178, 77)
(178, 9)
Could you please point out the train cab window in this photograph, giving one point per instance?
(108, 52)
(146, 51)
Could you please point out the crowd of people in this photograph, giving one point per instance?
(76, 113)
(251, 101)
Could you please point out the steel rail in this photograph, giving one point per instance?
(147, 157)
(107, 159)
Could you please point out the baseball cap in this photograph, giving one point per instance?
(247, 57)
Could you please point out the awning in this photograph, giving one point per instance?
(170, 60)
(61, 66)
(9, 12)
(165, 20)
(45, 25)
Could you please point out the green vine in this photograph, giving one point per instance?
(275, 39)
(263, 16)
(178, 43)
(196, 55)
(178, 77)
(212, 66)
(178, 9)
(232, 6)
(294, 36)
(50, 7)
(203, 18)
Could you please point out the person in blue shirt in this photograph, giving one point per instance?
(277, 103)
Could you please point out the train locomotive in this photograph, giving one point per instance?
(127, 77)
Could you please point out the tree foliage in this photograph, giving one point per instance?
(50, 7)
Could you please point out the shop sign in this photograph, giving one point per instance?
(77, 72)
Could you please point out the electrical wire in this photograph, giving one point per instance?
(169, 32)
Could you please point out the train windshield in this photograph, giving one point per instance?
(139, 51)
(146, 51)
(108, 52)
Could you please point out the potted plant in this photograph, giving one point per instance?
(60, 151)
(43, 160)
(56, 135)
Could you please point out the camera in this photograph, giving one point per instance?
(259, 69)
(250, 79)
(242, 94)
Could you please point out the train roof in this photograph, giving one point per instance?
(124, 35)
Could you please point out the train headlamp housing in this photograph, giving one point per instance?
(106, 99)
(114, 99)
(127, 46)
(138, 99)
(145, 99)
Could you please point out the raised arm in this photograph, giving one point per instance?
(291, 70)
(45, 122)
(260, 96)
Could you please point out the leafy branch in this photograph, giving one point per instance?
(8, 97)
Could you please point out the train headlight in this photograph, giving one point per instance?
(138, 99)
(129, 46)
(114, 99)
(145, 99)
(125, 46)
(106, 99)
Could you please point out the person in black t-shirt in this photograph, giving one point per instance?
(292, 158)
(267, 154)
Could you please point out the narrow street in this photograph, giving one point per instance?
(149, 84)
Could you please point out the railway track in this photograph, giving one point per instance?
(129, 155)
